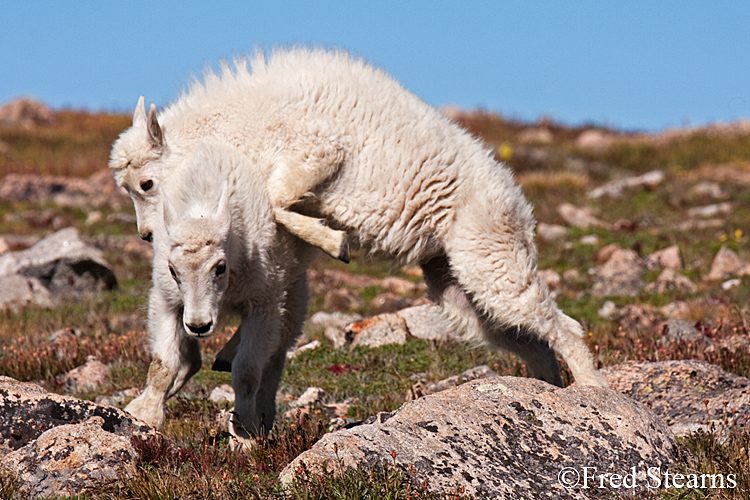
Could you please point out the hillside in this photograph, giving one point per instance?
(607, 203)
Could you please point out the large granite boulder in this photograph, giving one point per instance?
(60, 445)
(504, 437)
(59, 267)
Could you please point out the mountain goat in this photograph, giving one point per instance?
(332, 138)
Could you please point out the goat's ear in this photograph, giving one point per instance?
(139, 115)
(169, 212)
(155, 134)
(223, 212)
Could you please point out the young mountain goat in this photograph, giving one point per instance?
(218, 251)
(334, 139)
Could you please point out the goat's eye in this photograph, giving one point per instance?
(174, 275)
(221, 268)
(146, 185)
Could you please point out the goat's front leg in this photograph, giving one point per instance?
(175, 358)
(260, 340)
(315, 232)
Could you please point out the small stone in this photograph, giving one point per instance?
(670, 280)
(668, 258)
(726, 264)
(551, 232)
(387, 302)
(380, 330)
(580, 217)
(88, 377)
(710, 210)
(608, 310)
(342, 299)
(223, 393)
(590, 239)
(622, 274)
(306, 347)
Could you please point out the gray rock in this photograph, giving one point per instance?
(503, 438)
(713, 210)
(688, 394)
(622, 274)
(670, 280)
(581, 217)
(423, 322)
(617, 188)
(727, 264)
(668, 258)
(551, 232)
(58, 445)
(380, 330)
(70, 459)
(89, 377)
(679, 330)
(17, 292)
(62, 264)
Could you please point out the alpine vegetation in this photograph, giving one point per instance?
(310, 136)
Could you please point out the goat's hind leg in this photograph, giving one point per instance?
(475, 327)
(500, 276)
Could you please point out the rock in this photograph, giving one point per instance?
(316, 397)
(380, 330)
(536, 136)
(422, 322)
(339, 337)
(305, 347)
(595, 140)
(638, 318)
(729, 284)
(333, 278)
(710, 210)
(62, 264)
(580, 217)
(98, 191)
(478, 372)
(4, 247)
(551, 232)
(88, 377)
(551, 277)
(387, 302)
(26, 112)
(17, 292)
(608, 310)
(27, 410)
(503, 438)
(726, 264)
(679, 330)
(342, 299)
(401, 286)
(58, 445)
(322, 319)
(118, 398)
(693, 225)
(708, 190)
(668, 258)
(223, 393)
(590, 239)
(71, 459)
(617, 188)
(688, 394)
(670, 280)
(622, 274)
(606, 252)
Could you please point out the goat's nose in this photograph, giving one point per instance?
(200, 329)
(148, 237)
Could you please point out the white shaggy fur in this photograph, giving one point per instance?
(333, 138)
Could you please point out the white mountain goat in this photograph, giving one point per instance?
(334, 139)
(220, 252)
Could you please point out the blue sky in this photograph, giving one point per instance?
(643, 65)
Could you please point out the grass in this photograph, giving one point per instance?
(196, 459)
